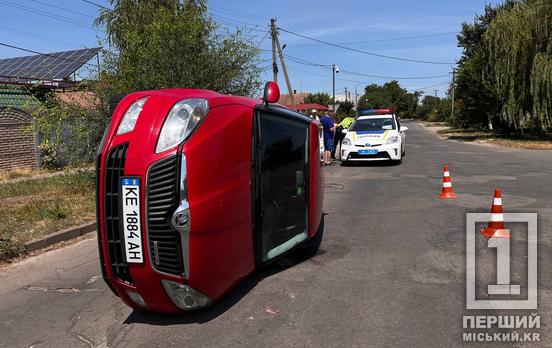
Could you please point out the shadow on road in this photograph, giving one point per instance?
(221, 306)
(370, 164)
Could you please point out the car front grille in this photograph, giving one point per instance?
(162, 200)
(114, 170)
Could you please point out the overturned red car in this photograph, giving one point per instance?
(196, 190)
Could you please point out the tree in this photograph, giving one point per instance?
(318, 98)
(478, 104)
(173, 44)
(518, 52)
(390, 95)
(434, 109)
(345, 109)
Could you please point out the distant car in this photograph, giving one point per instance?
(198, 189)
(376, 135)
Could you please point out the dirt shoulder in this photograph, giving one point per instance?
(486, 137)
(36, 207)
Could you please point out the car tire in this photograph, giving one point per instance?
(309, 248)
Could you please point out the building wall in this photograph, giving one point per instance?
(17, 145)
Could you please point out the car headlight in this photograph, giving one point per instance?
(393, 139)
(347, 141)
(184, 297)
(131, 116)
(181, 121)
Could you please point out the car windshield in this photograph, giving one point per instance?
(372, 124)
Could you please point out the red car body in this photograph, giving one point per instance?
(227, 231)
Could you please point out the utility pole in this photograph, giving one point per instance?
(346, 94)
(334, 68)
(273, 34)
(453, 88)
(282, 61)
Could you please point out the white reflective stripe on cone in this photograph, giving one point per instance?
(447, 184)
(497, 201)
(447, 174)
(497, 217)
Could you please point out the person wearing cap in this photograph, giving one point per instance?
(314, 115)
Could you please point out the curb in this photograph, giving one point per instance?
(60, 236)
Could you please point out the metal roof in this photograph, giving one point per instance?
(47, 66)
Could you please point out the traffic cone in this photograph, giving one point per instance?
(495, 227)
(447, 192)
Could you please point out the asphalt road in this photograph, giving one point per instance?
(390, 272)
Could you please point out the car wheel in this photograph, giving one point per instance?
(311, 246)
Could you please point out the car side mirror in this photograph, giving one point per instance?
(344, 131)
(271, 93)
(404, 128)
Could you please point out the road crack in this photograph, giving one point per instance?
(59, 289)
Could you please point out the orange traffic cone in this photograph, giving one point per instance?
(447, 192)
(495, 227)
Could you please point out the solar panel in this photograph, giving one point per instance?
(47, 66)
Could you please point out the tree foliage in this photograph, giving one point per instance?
(345, 109)
(434, 109)
(318, 98)
(518, 51)
(390, 95)
(478, 104)
(505, 73)
(173, 44)
(70, 132)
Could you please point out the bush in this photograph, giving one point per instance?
(48, 153)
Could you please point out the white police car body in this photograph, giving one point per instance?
(376, 135)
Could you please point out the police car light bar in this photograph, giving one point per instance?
(376, 112)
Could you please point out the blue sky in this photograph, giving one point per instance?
(57, 25)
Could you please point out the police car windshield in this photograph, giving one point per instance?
(372, 124)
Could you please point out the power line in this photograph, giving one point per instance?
(39, 36)
(45, 14)
(231, 22)
(98, 5)
(306, 62)
(234, 13)
(393, 77)
(381, 40)
(365, 52)
(262, 39)
(63, 8)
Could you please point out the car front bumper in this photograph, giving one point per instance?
(384, 152)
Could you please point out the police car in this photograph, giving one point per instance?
(376, 135)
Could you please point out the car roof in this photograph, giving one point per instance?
(215, 99)
(375, 116)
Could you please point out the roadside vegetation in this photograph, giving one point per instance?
(149, 45)
(36, 207)
(503, 88)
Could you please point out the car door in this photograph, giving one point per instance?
(281, 174)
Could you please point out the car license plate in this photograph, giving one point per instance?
(367, 152)
(130, 188)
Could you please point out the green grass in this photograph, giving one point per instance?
(32, 208)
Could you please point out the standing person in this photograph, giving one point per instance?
(314, 115)
(328, 126)
(339, 136)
